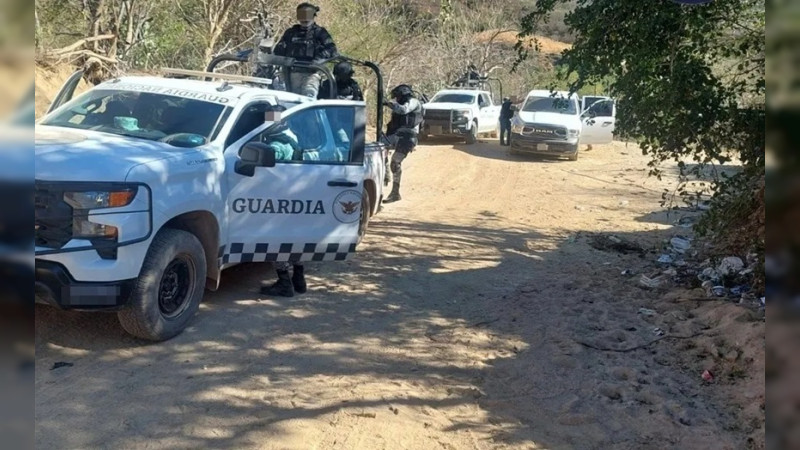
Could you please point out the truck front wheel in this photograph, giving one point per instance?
(169, 288)
(472, 134)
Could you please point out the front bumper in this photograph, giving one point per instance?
(56, 287)
(538, 145)
(445, 128)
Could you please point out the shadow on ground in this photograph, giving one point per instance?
(430, 317)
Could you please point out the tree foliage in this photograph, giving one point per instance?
(690, 85)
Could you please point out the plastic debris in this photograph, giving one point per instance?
(628, 272)
(647, 312)
(739, 290)
(665, 259)
(651, 283)
(709, 273)
(730, 266)
(707, 375)
(658, 331)
(679, 244)
(763, 301)
(719, 291)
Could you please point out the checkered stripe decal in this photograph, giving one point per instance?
(263, 252)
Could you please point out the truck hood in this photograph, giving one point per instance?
(447, 106)
(67, 154)
(567, 120)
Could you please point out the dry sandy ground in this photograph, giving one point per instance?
(464, 323)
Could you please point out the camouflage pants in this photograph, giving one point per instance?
(304, 83)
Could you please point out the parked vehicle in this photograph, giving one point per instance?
(147, 188)
(552, 123)
(464, 112)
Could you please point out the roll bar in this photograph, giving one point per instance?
(320, 66)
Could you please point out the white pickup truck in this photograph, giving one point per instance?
(555, 124)
(461, 112)
(147, 188)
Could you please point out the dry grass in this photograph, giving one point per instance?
(546, 45)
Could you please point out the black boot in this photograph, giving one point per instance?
(281, 288)
(394, 195)
(299, 280)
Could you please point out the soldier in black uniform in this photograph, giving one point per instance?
(347, 88)
(402, 132)
(306, 41)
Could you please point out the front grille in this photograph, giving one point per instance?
(52, 216)
(435, 114)
(543, 131)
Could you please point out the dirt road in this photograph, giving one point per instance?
(464, 323)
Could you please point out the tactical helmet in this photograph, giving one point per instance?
(343, 70)
(402, 90)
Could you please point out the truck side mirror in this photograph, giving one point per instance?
(252, 155)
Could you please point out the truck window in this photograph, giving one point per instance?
(483, 101)
(602, 108)
(316, 135)
(142, 115)
(251, 118)
(550, 104)
(450, 97)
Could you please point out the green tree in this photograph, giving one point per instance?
(690, 80)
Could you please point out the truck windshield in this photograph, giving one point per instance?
(142, 115)
(550, 104)
(454, 98)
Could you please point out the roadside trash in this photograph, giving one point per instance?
(739, 290)
(61, 364)
(719, 291)
(627, 272)
(665, 259)
(658, 331)
(763, 301)
(623, 203)
(679, 244)
(730, 266)
(707, 375)
(613, 243)
(647, 312)
(651, 283)
(709, 273)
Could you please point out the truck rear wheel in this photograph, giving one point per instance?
(472, 136)
(169, 288)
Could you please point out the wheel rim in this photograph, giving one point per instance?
(177, 284)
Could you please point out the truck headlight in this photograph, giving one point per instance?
(100, 199)
(573, 133)
(516, 127)
(461, 113)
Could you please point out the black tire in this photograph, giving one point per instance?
(366, 213)
(472, 137)
(574, 155)
(169, 288)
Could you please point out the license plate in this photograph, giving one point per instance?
(541, 147)
(436, 129)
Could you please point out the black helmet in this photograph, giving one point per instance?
(343, 70)
(402, 90)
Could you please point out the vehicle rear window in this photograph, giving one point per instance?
(143, 115)
(453, 98)
(550, 104)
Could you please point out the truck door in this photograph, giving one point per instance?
(598, 123)
(486, 120)
(308, 206)
(67, 91)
